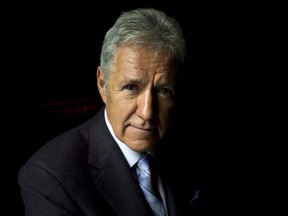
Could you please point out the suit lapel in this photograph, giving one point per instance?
(170, 196)
(112, 173)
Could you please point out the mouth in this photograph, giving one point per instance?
(143, 131)
(145, 135)
(148, 129)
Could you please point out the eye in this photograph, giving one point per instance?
(167, 92)
(131, 87)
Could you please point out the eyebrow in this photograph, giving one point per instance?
(140, 82)
(132, 81)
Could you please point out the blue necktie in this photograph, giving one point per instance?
(147, 177)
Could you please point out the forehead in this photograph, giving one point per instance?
(144, 62)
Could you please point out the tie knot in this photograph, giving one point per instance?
(146, 162)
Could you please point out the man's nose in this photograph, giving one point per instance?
(145, 105)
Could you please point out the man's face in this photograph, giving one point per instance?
(140, 97)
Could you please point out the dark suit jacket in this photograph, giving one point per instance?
(83, 172)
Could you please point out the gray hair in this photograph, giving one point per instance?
(144, 28)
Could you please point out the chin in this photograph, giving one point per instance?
(141, 146)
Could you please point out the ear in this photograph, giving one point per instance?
(101, 84)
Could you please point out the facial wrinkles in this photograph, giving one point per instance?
(149, 69)
(143, 69)
(144, 73)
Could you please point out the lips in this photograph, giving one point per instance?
(145, 129)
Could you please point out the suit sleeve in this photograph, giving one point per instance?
(43, 194)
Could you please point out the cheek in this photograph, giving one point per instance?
(119, 114)
(166, 112)
(166, 108)
(116, 119)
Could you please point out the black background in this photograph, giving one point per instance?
(57, 48)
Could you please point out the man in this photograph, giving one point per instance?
(93, 169)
